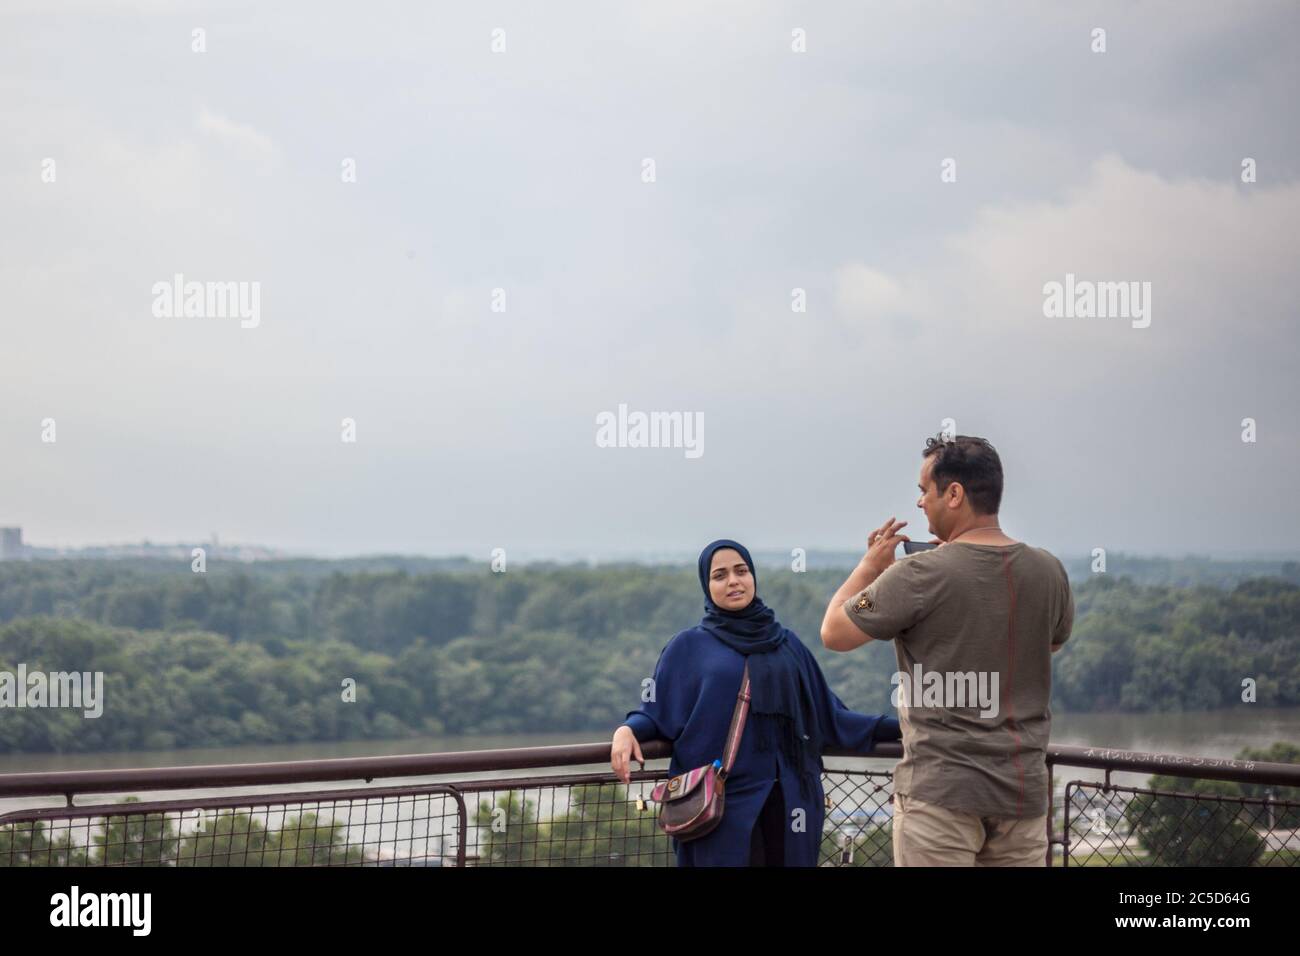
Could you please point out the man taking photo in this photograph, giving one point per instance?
(974, 623)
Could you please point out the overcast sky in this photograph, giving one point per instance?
(524, 169)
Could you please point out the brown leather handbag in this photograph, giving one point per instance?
(691, 802)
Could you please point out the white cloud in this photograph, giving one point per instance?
(1218, 255)
(240, 138)
(862, 290)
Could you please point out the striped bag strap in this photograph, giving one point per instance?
(737, 725)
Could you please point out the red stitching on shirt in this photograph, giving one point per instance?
(1011, 674)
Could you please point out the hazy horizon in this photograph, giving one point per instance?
(762, 553)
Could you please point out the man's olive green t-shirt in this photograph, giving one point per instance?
(967, 612)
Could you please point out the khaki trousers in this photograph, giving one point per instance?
(929, 835)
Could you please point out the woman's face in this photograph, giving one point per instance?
(730, 584)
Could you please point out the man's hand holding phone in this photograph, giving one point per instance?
(881, 545)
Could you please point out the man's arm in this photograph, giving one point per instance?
(1066, 623)
(839, 633)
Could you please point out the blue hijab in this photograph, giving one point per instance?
(781, 682)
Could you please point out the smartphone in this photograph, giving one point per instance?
(912, 547)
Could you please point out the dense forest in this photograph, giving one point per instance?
(259, 653)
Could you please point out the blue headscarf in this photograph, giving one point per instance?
(780, 678)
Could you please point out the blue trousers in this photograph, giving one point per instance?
(767, 843)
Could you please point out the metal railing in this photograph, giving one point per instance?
(1196, 811)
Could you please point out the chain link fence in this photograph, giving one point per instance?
(593, 820)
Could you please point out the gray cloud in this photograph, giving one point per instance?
(522, 171)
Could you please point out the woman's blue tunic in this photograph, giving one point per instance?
(695, 686)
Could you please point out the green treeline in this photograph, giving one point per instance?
(239, 655)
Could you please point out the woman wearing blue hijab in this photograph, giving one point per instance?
(793, 716)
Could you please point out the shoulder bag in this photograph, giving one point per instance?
(691, 802)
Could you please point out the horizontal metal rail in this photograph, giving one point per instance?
(69, 783)
(554, 819)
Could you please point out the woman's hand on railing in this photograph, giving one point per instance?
(625, 746)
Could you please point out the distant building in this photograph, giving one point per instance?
(11, 544)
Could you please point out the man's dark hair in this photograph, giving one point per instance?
(971, 461)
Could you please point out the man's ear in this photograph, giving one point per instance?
(956, 493)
